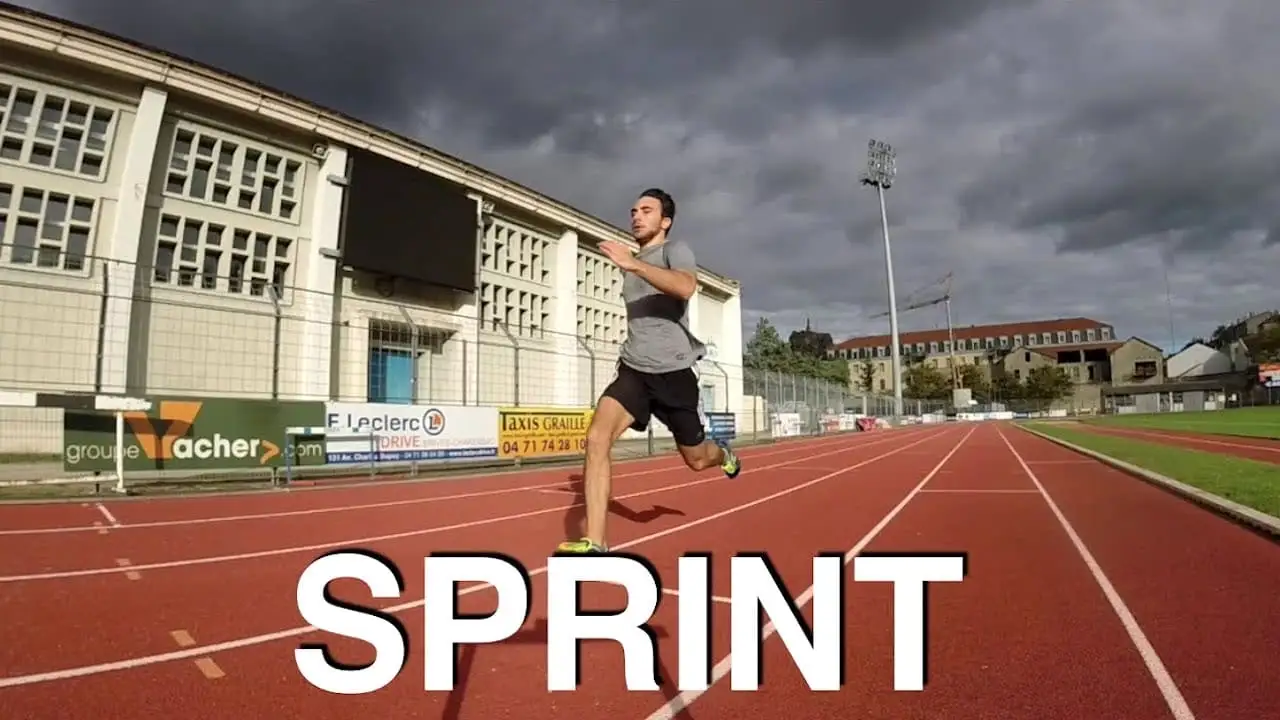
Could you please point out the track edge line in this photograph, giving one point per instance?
(1227, 509)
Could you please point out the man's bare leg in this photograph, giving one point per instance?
(705, 455)
(608, 423)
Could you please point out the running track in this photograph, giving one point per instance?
(1089, 594)
(1249, 448)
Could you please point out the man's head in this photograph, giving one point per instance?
(652, 215)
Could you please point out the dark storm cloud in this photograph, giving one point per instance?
(1174, 162)
(1055, 157)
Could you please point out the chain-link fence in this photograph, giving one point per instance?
(819, 403)
(113, 328)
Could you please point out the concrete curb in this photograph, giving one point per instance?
(1229, 509)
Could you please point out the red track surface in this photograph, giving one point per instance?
(1261, 449)
(1184, 628)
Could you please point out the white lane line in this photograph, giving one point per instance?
(1155, 666)
(107, 514)
(677, 705)
(133, 663)
(714, 598)
(1193, 439)
(64, 574)
(793, 448)
(980, 491)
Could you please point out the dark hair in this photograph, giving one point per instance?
(668, 204)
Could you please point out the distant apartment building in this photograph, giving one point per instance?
(1245, 327)
(1086, 349)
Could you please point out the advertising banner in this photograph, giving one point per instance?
(1269, 374)
(542, 432)
(385, 432)
(786, 425)
(722, 425)
(187, 434)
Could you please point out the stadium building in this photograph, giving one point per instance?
(1087, 350)
(169, 229)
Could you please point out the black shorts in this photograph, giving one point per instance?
(672, 397)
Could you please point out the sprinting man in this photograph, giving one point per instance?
(655, 367)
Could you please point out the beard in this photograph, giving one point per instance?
(645, 236)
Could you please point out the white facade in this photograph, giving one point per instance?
(168, 230)
(1198, 360)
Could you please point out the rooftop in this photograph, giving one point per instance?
(977, 331)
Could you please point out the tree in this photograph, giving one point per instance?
(1005, 388)
(923, 381)
(1047, 383)
(1265, 346)
(867, 374)
(767, 351)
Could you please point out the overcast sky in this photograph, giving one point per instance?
(1055, 156)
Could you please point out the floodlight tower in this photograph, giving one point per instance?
(881, 169)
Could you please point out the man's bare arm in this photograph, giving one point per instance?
(679, 283)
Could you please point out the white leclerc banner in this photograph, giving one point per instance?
(409, 433)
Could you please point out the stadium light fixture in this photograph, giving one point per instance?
(882, 167)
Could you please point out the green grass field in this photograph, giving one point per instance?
(1262, 422)
(1248, 482)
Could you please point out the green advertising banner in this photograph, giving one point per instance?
(185, 433)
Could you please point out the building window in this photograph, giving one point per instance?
(1075, 336)
(390, 375)
(1106, 333)
(1062, 337)
(933, 347)
(393, 354)
(1046, 339)
(599, 278)
(515, 252)
(1091, 334)
(519, 312)
(1004, 341)
(990, 343)
(597, 324)
(601, 314)
(1017, 374)
(52, 131)
(211, 168)
(195, 253)
(45, 229)
(1144, 369)
(1026, 357)
(515, 292)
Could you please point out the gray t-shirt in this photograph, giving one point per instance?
(658, 337)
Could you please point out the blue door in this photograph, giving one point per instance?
(390, 376)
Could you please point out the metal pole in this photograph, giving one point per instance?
(1168, 301)
(895, 348)
(881, 169)
(951, 338)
